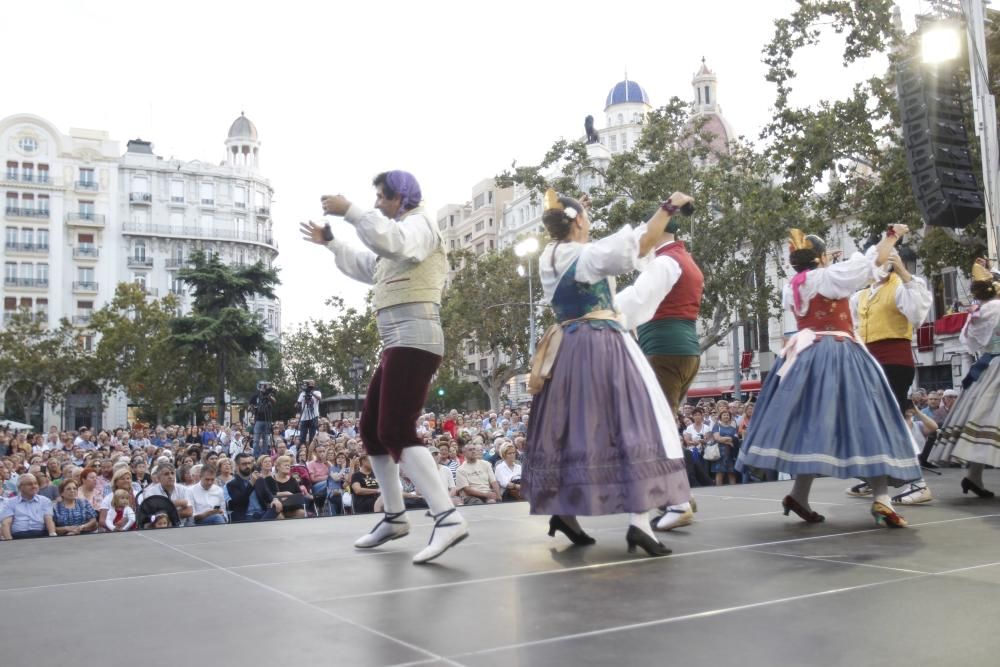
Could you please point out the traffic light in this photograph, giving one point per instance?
(937, 145)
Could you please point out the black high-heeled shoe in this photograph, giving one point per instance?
(580, 539)
(789, 504)
(969, 485)
(638, 537)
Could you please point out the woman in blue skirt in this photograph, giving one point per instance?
(602, 438)
(826, 408)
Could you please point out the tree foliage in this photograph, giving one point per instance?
(39, 366)
(740, 218)
(221, 328)
(487, 310)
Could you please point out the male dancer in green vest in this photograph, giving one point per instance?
(404, 259)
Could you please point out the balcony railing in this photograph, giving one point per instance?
(84, 286)
(39, 315)
(207, 202)
(263, 211)
(86, 252)
(140, 262)
(82, 319)
(151, 291)
(174, 263)
(85, 219)
(140, 197)
(25, 282)
(198, 232)
(240, 204)
(15, 212)
(12, 175)
(174, 199)
(27, 247)
(87, 185)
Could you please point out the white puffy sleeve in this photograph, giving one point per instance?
(980, 326)
(356, 263)
(608, 257)
(638, 302)
(913, 299)
(414, 237)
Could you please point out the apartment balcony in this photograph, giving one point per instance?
(140, 262)
(173, 263)
(30, 283)
(85, 219)
(27, 248)
(86, 252)
(263, 212)
(41, 178)
(31, 213)
(82, 319)
(84, 286)
(86, 186)
(39, 315)
(140, 198)
(208, 202)
(239, 204)
(218, 233)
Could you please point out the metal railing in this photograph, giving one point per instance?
(208, 202)
(140, 262)
(25, 282)
(27, 247)
(26, 212)
(174, 199)
(140, 197)
(84, 286)
(86, 251)
(198, 232)
(263, 211)
(96, 219)
(86, 185)
(82, 319)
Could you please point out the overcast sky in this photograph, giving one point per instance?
(452, 91)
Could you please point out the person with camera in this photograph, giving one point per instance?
(405, 260)
(308, 406)
(262, 404)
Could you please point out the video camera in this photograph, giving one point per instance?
(265, 388)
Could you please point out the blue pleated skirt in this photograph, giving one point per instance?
(832, 414)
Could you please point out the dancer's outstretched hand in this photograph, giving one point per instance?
(678, 199)
(312, 232)
(335, 204)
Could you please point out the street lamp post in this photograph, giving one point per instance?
(357, 367)
(526, 249)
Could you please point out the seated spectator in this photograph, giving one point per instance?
(166, 476)
(207, 499)
(121, 481)
(265, 465)
(475, 479)
(73, 516)
(27, 514)
(89, 490)
(244, 503)
(45, 487)
(364, 488)
(284, 488)
(508, 473)
(121, 517)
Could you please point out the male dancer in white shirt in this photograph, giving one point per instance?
(404, 259)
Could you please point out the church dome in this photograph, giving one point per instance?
(626, 92)
(242, 128)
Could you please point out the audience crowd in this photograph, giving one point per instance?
(68, 483)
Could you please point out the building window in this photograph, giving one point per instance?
(708, 98)
(10, 271)
(10, 236)
(43, 204)
(86, 209)
(42, 239)
(241, 197)
(43, 173)
(621, 119)
(699, 94)
(28, 171)
(85, 240)
(613, 143)
(177, 192)
(480, 225)
(480, 248)
(87, 176)
(27, 144)
(489, 197)
(207, 194)
(11, 171)
(140, 184)
(139, 251)
(478, 201)
(85, 274)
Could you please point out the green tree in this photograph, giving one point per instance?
(487, 310)
(740, 219)
(39, 366)
(135, 351)
(221, 328)
(855, 143)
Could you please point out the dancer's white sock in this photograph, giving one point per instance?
(801, 488)
(641, 521)
(975, 474)
(387, 473)
(419, 466)
(880, 490)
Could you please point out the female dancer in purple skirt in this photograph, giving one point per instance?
(602, 439)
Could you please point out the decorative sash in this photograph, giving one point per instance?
(548, 347)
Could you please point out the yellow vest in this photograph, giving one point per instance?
(407, 281)
(878, 317)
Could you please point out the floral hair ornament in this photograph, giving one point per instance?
(552, 203)
(798, 241)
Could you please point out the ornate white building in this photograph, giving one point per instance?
(80, 217)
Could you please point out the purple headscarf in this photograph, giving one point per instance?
(404, 183)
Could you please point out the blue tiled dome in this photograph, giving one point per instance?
(627, 91)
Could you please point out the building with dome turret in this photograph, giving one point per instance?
(82, 217)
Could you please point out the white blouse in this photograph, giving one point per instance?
(597, 260)
(981, 327)
(413, 238)
(837, 281)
